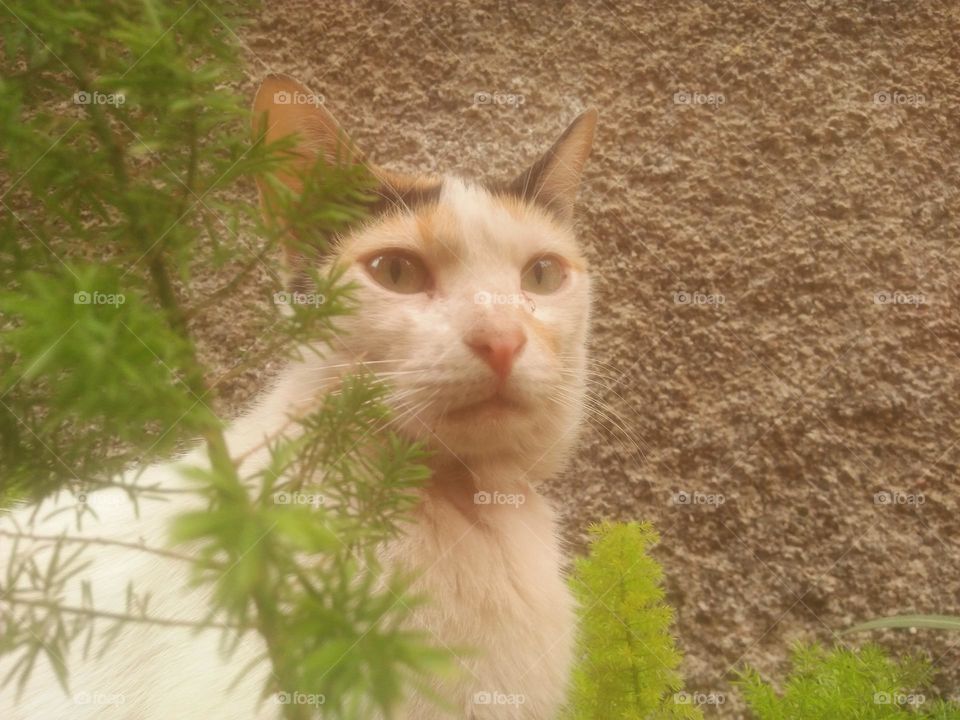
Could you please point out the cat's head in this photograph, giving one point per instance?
(474, 299)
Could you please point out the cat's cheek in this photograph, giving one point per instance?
(382, 326)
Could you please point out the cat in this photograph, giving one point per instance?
(479, 296)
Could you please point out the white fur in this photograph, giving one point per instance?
(493, 573)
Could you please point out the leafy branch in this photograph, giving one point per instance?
(118, 202)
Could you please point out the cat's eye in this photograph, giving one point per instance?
(543, 275)
(400, 272)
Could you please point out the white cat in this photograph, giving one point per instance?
(478, 297)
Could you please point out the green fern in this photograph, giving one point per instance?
(848, 684)
(627, 668)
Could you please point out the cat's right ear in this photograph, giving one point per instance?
(284, 108)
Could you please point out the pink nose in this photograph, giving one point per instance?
(498, 348)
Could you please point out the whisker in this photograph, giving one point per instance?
(599, 410)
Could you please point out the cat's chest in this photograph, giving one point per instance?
(490, 573)
(495, 589)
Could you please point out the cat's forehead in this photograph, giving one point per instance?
(453, 220)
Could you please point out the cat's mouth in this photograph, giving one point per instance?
(497, 404)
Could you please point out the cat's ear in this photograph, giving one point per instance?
(553, 180)
(283, 108)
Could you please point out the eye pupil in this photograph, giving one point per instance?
(395, 269)
(538, 272)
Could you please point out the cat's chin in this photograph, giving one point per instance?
(497, 430)
(476, 426)
(521, 421)
(496, 405)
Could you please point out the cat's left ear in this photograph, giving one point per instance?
(553, 180)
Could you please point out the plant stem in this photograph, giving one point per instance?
(123, 617)
(114, 543)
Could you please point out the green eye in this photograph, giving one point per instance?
(399, 272)
(543, 275)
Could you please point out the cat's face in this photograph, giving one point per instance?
(473, 307)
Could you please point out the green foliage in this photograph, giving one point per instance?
(118, 135)
(627, 668)
(848, 684)
(123, 148)
(127, 172)
(74, 369)
(302, 550)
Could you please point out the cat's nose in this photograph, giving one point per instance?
(497, 347)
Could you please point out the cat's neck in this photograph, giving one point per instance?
(474, 490)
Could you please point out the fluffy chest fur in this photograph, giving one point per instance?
(505, 605)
